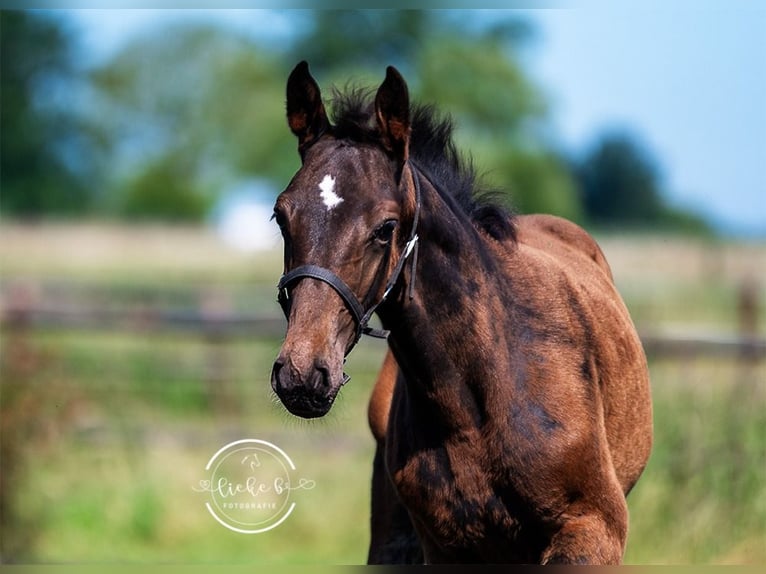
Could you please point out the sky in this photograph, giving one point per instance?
(691, 82)
(688, 79)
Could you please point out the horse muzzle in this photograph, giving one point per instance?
(306, 392)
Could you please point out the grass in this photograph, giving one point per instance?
(113, 478)
(104, 434)
(702, 498)
(142, 508)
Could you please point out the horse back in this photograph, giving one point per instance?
(562, 239)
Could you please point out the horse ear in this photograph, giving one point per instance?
(392, 109)
(306, 115)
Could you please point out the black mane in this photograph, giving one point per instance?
(434, 152)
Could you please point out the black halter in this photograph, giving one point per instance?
(355, 307)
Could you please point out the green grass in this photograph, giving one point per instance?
(702, 498)
(104, 434)
(106, 506)
(112, 479)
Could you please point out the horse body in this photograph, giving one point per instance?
(499, 449)
(513, 415)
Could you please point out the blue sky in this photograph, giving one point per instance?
(691, 81)
(688, 78)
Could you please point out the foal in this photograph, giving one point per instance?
(513, 415)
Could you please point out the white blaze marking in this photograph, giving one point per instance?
(330, 198)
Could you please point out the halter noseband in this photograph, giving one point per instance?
(355, 307)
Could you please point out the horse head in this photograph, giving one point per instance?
(347, 219)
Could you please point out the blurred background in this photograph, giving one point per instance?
(140, 155)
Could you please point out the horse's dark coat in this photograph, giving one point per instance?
(513, 413)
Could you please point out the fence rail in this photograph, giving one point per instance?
(152, 320)
(704, 344)
(229, 325)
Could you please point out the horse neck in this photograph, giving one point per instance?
(445, 329)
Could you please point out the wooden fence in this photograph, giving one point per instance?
(21, 309)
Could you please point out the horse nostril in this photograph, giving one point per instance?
(276, 383)
(324, 375)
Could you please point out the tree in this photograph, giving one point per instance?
(39, 174)
(620, 182)
(344, 40)
(540, 183)
(180, 129)
(202, 123)
(162, 190)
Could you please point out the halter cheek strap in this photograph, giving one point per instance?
(360, 315)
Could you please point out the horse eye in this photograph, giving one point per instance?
(385, 232)
(279, 217)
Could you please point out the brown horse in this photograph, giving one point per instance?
(514, 414)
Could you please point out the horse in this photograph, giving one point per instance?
(512, 414)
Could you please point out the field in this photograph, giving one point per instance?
(106, 432)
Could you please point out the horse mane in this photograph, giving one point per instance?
(434, 152)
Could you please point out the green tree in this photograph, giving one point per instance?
(195, 108)
(480, 82)
(343, 40)
(620, 182)
(39, 170)
(199, 107)
(161, 190)
(501, 115)
(621, 185)
(540, 183)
